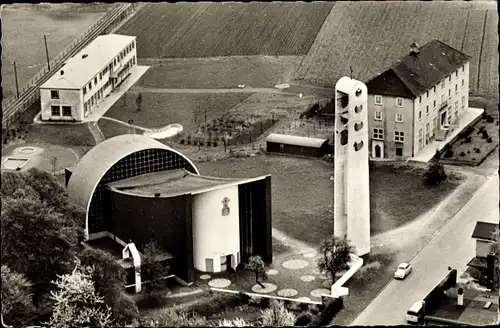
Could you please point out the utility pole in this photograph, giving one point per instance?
(46, 51)
(15, 74)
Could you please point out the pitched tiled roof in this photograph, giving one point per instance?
(419, 72)
(484, 230)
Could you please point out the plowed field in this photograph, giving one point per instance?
(371, 35)
(191, 30)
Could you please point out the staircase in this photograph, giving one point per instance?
(441, 134)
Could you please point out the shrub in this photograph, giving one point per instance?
(332, 307)
(368, 271)
(435, 174)
(490, 119)
(462, 154)
(489, 140)
(209, 143)
(468, 151)
(214, 143)
(125, 310)
(448, 153)
(478, 150)
(303, 319)
(485, 134)
(182, 141)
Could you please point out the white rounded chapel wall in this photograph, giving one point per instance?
(216, 228)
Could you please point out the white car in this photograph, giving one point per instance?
(402, 271)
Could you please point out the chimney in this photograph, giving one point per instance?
(62, 72)
(414, 49)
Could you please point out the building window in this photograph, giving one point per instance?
(84, 90)
(449, 93)
(420, 114)
(66, 110)
(434, 90)
(378, 100)
(463, 83)
(456, 105)
(433, 124)
(399, 151)
(378, 134)
(95, 80)
(463, 101)
(442, 99)
(399, 136)
(427, 94)
(90, 85)
(100, 76)
(55, 110)
(420, 134)
(85, 106)
(378, 115)
(427, 129)
(54, 94)
(434, 104)
(463, 68)
(399, 102)
(449, 78)
(114, 62)
(456, 88)
(282, 146)
(443, 84)
(426, 110)
(399, 117)
(420, 99)
(456, 74)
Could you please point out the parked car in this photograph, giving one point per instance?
(416, 313)
(402, 271)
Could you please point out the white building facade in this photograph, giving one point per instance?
(418, 100)
(87, 78)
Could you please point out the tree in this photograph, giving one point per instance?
(153, 268)
(256, 264)
(76, 302)
(17, 302)
(277, 315)
(435, 173)
(138, 102)
(495, 248)
(335, 256)
(109, 281)
(36, 241)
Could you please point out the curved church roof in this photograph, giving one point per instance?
(89, 171)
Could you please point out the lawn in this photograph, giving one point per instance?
(220, 72)
(302, 193)
(372, 35)
(22, 40)
(186, 30)
(162, 109)
(66, 135)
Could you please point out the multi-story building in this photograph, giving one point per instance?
(419, 99)
(88, 77)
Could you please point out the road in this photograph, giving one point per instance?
(452, 246)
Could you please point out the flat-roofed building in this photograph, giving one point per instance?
(87, 78)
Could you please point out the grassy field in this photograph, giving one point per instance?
(371, 35)
(161, 109)
(22, 40)
(219, 72)
(185, 30)
(302, 193)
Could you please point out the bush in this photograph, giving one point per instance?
(485, 134)
(218, 303)
(182, 141)
(489, 140)
(435, 174)
(303, 319)
(125, 310)
(490, 119)
(478, 150)
(468, 139)
(332, 307)
(448, 153)
(214, 143)
(368, 271)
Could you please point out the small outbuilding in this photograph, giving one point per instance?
(296, 145)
